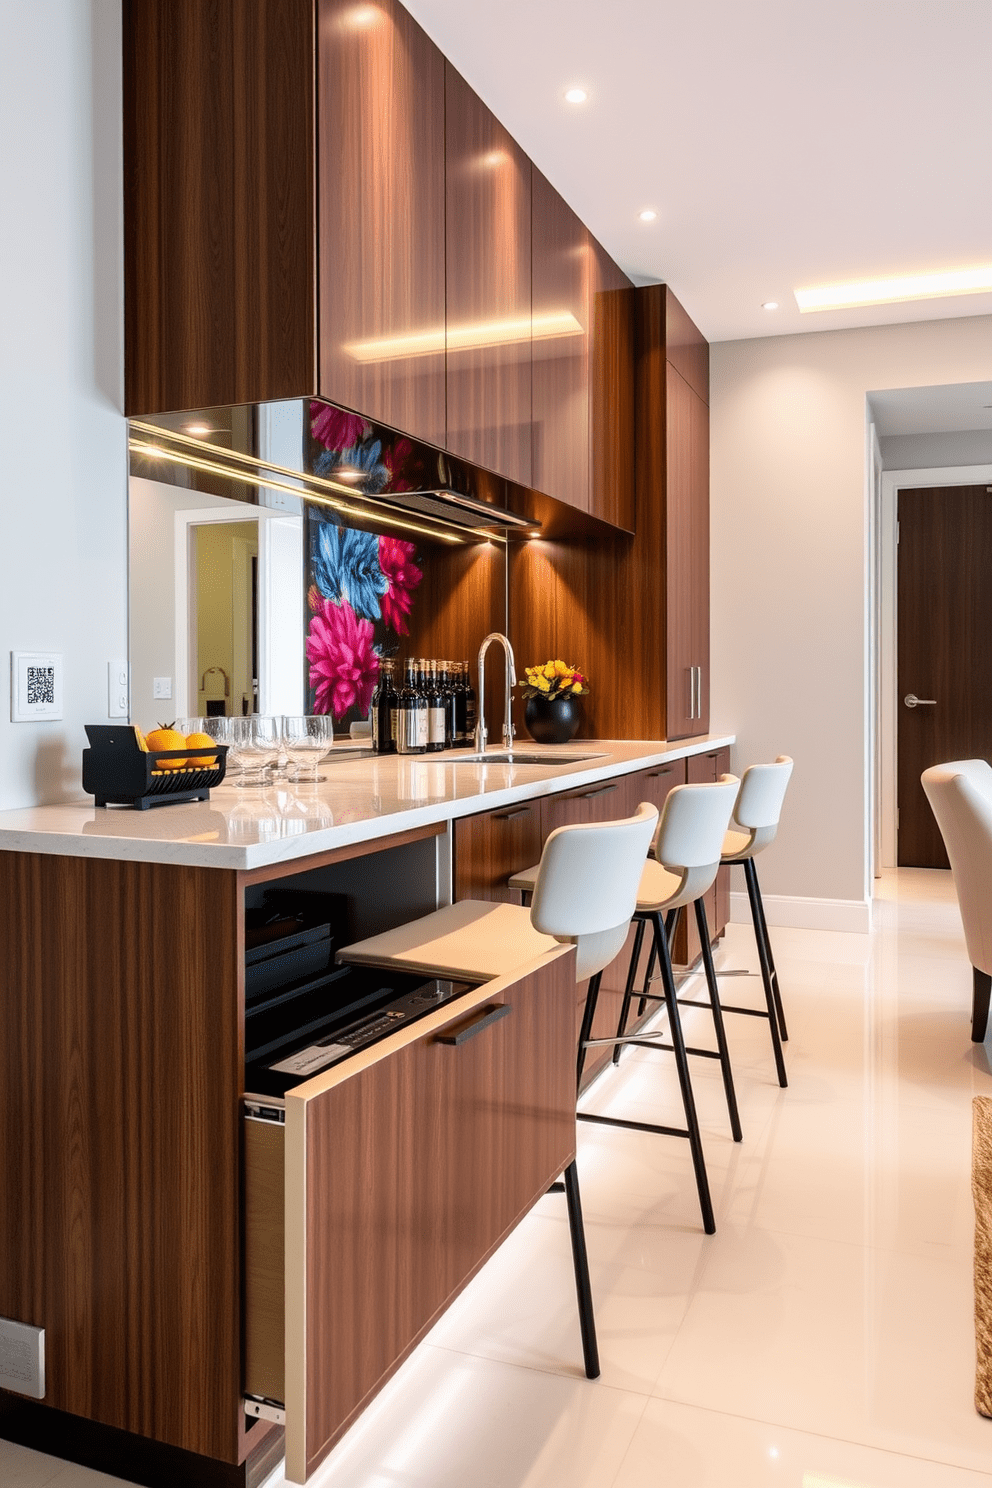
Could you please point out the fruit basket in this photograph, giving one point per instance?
(118, 772)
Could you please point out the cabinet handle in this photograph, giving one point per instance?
(653, 774)
(510, 815)
(604, 790)
(481, 1021)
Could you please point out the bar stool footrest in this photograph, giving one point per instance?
(644, 1126)
(725, 1007)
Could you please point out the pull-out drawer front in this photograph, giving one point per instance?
(400, 1180)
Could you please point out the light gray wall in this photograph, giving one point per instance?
(789, 569)
(63, 488)
(935, 451)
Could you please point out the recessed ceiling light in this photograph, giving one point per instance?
(576, 95)
(932, 286)
(648, 215)
(770, 305)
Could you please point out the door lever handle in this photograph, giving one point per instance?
(912, 701)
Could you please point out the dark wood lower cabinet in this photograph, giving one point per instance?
(490, 847)
(403, 1178)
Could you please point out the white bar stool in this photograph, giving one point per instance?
(758, 810)
(585, 891)
(687, 855)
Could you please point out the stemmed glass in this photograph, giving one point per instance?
(256, 742)
(306, 740)
(219, 727)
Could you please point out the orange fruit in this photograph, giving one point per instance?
(201, 761)
(167, 737)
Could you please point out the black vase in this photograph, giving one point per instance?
(553, 720)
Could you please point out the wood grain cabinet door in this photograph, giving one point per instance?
(611, 391)
(562, 301)
(688, 558)
(403, 1178)
(488, 265)
(380, 171)
(491, 846)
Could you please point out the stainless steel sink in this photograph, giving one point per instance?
(518, 757)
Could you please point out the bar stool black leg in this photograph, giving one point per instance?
(628, 990)
(671, 925)
(766, 975)
(783, 1031)
(719, 1029)
(580, 1260)
(682, 1065)
(981, 990)
(592, 997)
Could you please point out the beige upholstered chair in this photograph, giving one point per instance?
(960, 796)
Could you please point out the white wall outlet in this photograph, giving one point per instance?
(118, 692)
(22, 1358)
(162, 687)
(35, 686)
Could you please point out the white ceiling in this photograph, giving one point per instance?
(950, 408)
(783, 143)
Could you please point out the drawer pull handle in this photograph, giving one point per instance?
(469, 1030)
(604, 790)
(653, 774)
(510, 815)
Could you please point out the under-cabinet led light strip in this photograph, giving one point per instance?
(156, 452)
(544, 326)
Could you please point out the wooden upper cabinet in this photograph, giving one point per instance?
(562, 302)
(611, 373)
(218, 203)
(380, 216)
(488, 262)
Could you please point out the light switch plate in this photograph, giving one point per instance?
(35, 686)
(118, 693)
(22, 1359)
(162, 687)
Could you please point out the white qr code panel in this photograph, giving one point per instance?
(35, 686)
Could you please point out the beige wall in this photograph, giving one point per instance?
(789, 576)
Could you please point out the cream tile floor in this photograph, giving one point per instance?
(821, 1339)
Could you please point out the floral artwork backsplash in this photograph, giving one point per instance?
(359, 594)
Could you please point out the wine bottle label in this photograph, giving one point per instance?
(422, 726)
(435, 725)
(407, 741)
(393, 723)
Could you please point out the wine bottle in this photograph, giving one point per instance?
(470, 707)
(435, 710)
(450, 704)
(384, 711)
(411, 715)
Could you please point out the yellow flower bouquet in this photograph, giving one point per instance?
(554, 680)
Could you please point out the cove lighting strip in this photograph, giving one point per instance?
(156, 452)
(541, 327)
(938, 285)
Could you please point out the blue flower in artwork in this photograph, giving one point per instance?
(346, 568)
(364, 457)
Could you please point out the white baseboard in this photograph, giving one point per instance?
(806, 914)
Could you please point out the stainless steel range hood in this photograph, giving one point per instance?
(314, 451)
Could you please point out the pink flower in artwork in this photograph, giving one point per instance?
(398, 567)
(335, 429)
(343, 666)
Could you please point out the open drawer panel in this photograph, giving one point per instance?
(401, 1170)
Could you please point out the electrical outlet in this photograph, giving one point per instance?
(118, 700)
(162, 687)
(35, 686)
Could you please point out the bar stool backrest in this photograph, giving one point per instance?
(759, 804)
(691, 832)
(960, 796)
(587, 882)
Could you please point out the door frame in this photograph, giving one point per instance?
(887, 621)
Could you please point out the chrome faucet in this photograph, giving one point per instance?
(481, 734)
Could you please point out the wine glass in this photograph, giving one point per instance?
(306, 740)
(256, 742)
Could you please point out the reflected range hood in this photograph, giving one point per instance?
(453, 506)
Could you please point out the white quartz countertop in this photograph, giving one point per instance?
(358, 800)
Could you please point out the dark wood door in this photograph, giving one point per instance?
(560, 347)
(488, 265)
(688, 571)
(944, 653)
(380, 134)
